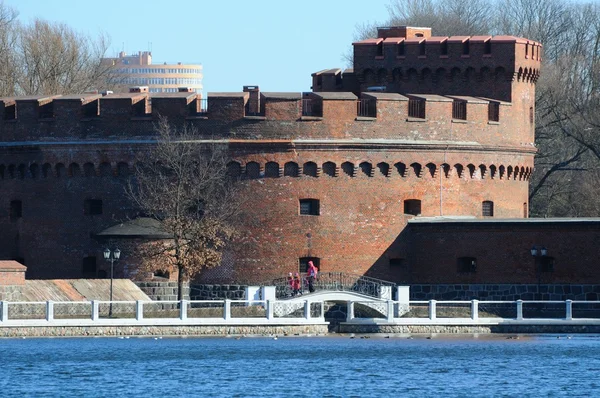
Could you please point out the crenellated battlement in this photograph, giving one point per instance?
(255, 115)
(406, 59)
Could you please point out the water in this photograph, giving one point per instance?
(302, 367)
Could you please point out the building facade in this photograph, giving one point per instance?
(388, 169)
(138, 70)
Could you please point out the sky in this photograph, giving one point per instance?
(275, 44)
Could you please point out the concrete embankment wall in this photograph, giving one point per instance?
(467, 329)
(212, 330)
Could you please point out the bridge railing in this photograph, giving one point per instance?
(334, 281)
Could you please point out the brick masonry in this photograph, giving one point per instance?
(360, 169)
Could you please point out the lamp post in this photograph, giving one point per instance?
(111, 256)
(537, 252)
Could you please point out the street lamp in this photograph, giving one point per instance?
(538, 253)
(112, 257)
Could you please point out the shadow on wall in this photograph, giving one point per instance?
(394, 264)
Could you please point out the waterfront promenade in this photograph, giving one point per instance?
(294, 317)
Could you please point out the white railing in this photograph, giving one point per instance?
(475, 312)
(185, 312)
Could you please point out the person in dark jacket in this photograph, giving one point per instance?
(311, 275)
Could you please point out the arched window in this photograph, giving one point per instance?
(105, 169)
(61, 170)
(487, 208)
(384, 169)
(366, 168)
(310, 169)
(252, 170)
(348, 169)
(122, 169)
(412, 207)
(272, 170)
(74, 170)
(329, 169)
(290, 169)
(234, 169)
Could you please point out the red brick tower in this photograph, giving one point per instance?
(422, 126)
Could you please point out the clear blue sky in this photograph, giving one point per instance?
(275, 44)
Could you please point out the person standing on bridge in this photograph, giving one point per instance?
(311, 276)
(297, 284)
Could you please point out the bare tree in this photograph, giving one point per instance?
(183, 184)
(54, 59)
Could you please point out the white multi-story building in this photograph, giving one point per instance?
(138, 70)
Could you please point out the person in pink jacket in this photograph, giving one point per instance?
(297, 284)
(311, 275)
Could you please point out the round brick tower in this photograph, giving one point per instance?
(421, 126)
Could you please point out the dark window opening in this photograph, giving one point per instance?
(487, 47)
(290, 169)
(10, 112)
(416, 108)
(92, 207)
(310, 169)
(494, 111)
(16, 210)
(88, 269)
(367, 108)
(466, 47)
(459, 110)
(487, 208)
(397, 262)
(466, 265)
(531, 115)
(380, 49)
(91, 109)
(161, 274)
(444, 47)
(412, 206)
(303, 263)
(309, 207)
(422, 48)
(46, 111)
(401, 49)
(525, 212)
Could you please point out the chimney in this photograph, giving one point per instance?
(253, 106)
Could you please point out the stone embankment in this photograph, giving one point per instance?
(108, 331)
(467, 329)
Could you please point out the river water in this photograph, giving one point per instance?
(341, 366)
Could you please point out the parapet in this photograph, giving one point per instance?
(12, 273)
(272, 115)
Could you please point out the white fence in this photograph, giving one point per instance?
(296, 312)
(477, 312)
(158, 313)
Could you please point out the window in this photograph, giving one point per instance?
(416, 108)
(459, 110)
(92, 207)
(466, 47)
(422, 48)
(309, 207)
(525, 210)
(412, 206)
(487, 208)
(380, 49)
(531, 115)
(16, 210)
(303, 263)
(397, 262)
(466, 265)
(494, 112)
(88, 267)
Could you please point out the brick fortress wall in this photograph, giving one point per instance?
(57, 153)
